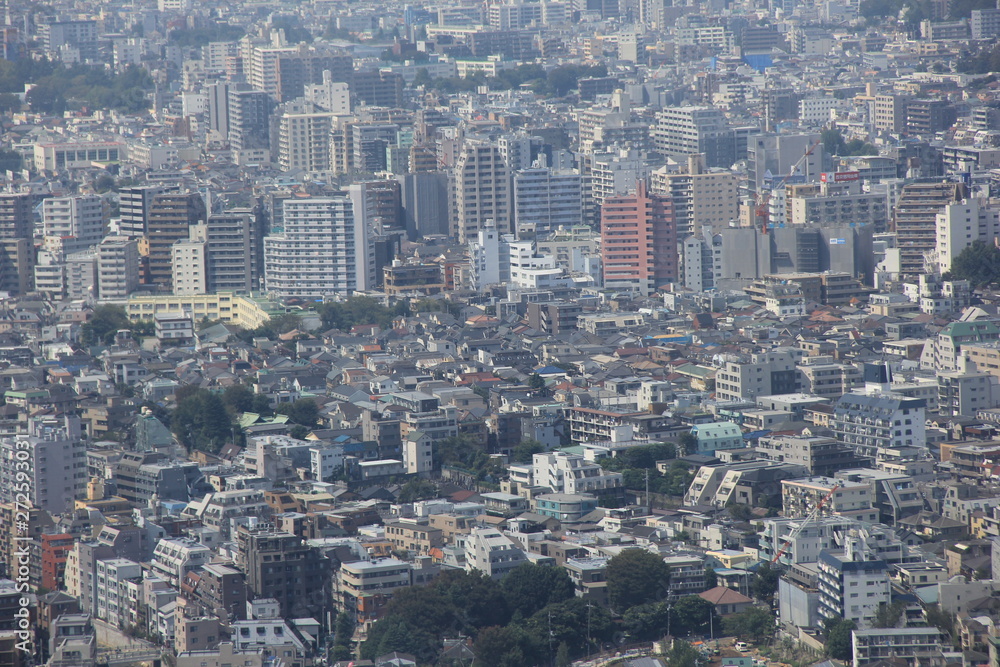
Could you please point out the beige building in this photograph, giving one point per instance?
(702, 198)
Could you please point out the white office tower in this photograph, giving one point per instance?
(56, 464)
(547, 199)
(80, 222)
(316, 254)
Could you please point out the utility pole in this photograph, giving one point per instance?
(648, 506)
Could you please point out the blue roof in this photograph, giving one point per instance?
(549, 370)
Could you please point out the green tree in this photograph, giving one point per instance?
(764, 584)
(838, 639)
(562, 656)
(693, 614)
(530, 587)
(687, 443)
(635, 577)
(525, 450)
(568, 622)
(740, 511)
(238, 398)
(201, 420)
(417, 489)
(509, 646)
(103, 325)
(711, 579)
(888, 615)
(537, 383)
(303, 411)
(646, 621)
(343, 638)
(755, 623)
(979, 263)
(678, 479)
(682, 654)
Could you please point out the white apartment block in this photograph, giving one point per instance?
(570, 473)
(800, 497)
(304, 138)
(114, 605)
(491, 552)
(763, 374)
(57, 463)
(852, 583)
(329, 96)
(80, 221)
(958, 225)
(174, 558)
(548, 199)
(117, 267)
(189, 263)
(317, 252)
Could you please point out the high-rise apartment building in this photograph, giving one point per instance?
(481, 191)
(133, 205)
(316, 254)
(249, 119)
(15, 215)
(890, 112)
(188, 263)
(959, 225)
(17, 265)
(915, 222)
(233, 238)
(703, 198)
(171, 216)
(218, 108)
(638, 241)
(81, 221)
(304, 137)
(681, 131)
(985, 23)
(282, 566)
(547, 199)
(117, 267)
(57, 463)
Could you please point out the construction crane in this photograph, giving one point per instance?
(763, 199)
(809, 519)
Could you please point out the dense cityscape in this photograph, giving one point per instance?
(503, 333)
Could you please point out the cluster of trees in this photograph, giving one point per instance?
(206, 420)
(979, 263)
(467, 453)
(106, 322)
(58, 87)
(360, 310)
(343, 633)
(636, 462)
(532, 617)
(201, 420)
(983, 61)
(837, 633)
(526, 619)
(834, 144)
